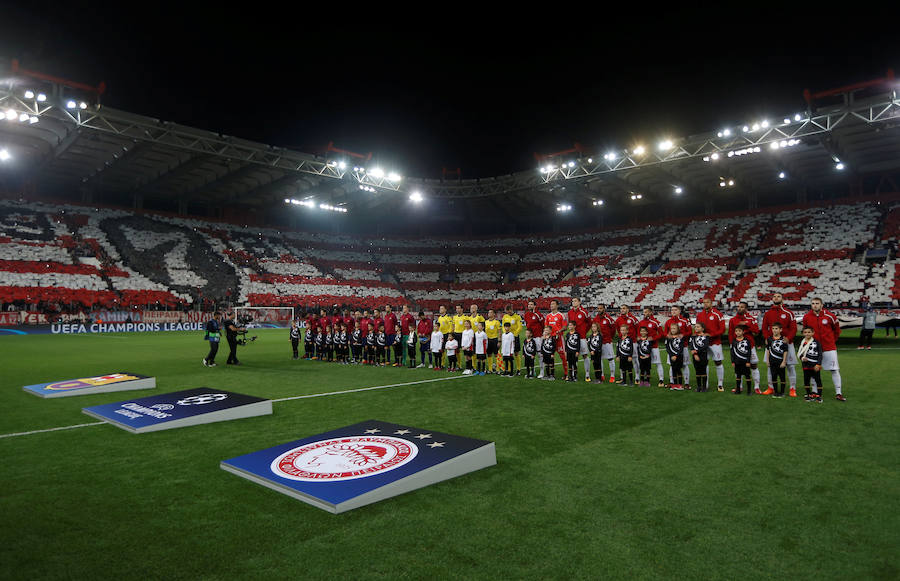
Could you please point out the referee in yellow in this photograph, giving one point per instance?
(459, 320)
(445, 323)
(492, 328)
(515, 326)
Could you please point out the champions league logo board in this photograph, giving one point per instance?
(121, 381)
(360, 464)
(202, 405)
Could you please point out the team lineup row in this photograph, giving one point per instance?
(480, 344)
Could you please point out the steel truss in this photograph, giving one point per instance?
(138, 128)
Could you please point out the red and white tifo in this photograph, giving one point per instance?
(344, 458)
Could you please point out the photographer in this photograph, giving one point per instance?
(232, 330)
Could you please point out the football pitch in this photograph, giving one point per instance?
(592, 481)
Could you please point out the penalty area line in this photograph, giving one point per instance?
(273, 401)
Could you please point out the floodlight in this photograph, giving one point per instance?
(377, 172)
(765, 123)
(416, 197)
(41, 97)
(71, 104)
(722, 184)
(714, 156)
(29, 94)
(32, 119)
(11, 115)
(82, 105)
(394, 177)
(839, 166)
(23, 117)
(639, 150)
(342, 165)
(787, 120)
(678, 190)
(746, 129)
(730, 182)
(4, 155)
(781, 175)
(590, 160)
(798, 117)
(665, 145)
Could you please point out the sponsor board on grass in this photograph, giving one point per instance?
(121, 381)
(190, 407)
(364, 463)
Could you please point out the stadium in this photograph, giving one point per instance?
(123, 237)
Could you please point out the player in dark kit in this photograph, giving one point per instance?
(548, 349)
(573, 348)
(595, 346)
(342, 343)
(530, 351)
(371, 345)
(382, 354)
(356, 344)
(295, 338)
(776, 358)
(645, 355)
(741, 348)
(625, 351)
(699, 347)
(810, 355)
(329, 344)
(675, 347)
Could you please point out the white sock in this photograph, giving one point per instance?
(587, 367)
(686, 370)
(768, 375)
(612, 367)
(755, 374)
(836, 379)
(720, 372)
(792, 376)
(660, 372)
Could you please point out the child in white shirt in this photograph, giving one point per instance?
(508, 347)
(451, 346)
(468, 346)
(481, 349)
(437, 340)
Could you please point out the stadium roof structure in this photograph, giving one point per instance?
(59, 139)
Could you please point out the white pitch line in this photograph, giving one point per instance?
(274, 400)
(50, 430)
(369, 388)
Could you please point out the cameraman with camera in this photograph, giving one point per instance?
(232, 330)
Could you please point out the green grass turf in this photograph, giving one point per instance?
(591, 481)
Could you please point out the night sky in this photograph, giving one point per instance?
(468, 88)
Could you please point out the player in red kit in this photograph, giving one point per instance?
(784, 317)
(607, 331)
(654, 334)
(826, 331)
(407, 326)
(578, 315)
(714, 323)
(742, 317)
(534, 321)
(684, 327)
(558, 325)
